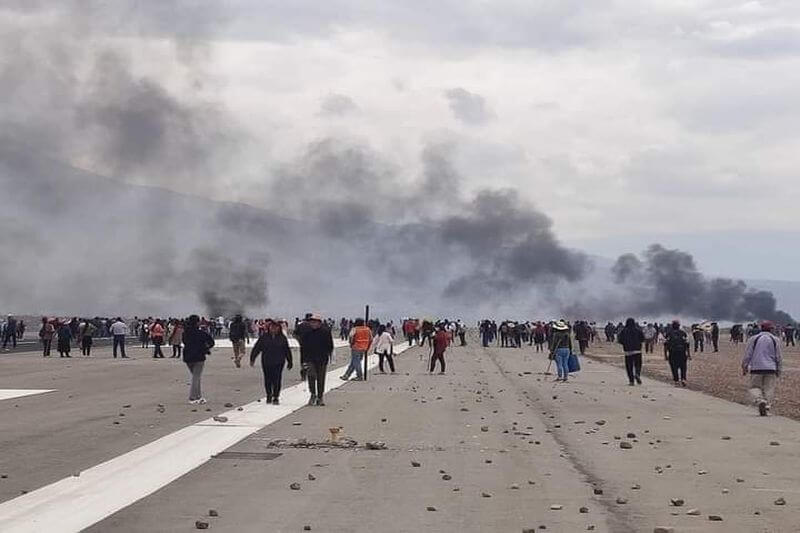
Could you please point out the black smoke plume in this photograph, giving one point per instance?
(664, 281)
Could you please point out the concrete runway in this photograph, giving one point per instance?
(499, 448)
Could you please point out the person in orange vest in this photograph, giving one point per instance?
(360, 341)
(441, 340)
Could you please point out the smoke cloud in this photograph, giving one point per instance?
(81, 110)
(665, 281)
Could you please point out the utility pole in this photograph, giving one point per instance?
(366, 355)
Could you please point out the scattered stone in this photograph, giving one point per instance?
(583, 510)
(213, 512)
(693, 512)
(430, 508)
(625, 445)
(201, 525)
(514, 486)
(306, 528)
(702, 472)
(621, 501)
(221, 419)
(598, 492)
(636, 487)
(676, 502)
(384, 420)
(774, 443)
(556, 507)
(377, 445)
(228, 405)
(725, 491)
(739, 480)
(485, 495)
(311, 477)
(447, 477)
(780, 501)
(631, 435)
(415, 464)
(725, 437)
(600, 422)
(295, 486)
(715, 518)
(484, 428)
(126, 406)
(662, 529)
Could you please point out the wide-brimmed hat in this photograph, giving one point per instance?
(560, 325)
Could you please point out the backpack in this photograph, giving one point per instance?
(676, 342)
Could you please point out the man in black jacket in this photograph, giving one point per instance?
(631, 337)
(237, 333)
(316, 346)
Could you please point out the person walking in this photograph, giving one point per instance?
(715, 336)
(176, 338)
(237, 333)
(64, 339)
(86, 333)
(119, 330)
(560, 349)
(676, 351)
(441, 340)
(46, 334)
(316, 346)
(650, 337)
(273, 346)
(197, 345)
(631, 338)
(157, 336)
(10, 332)
(384, 347)
(360, 341)
(763, 359)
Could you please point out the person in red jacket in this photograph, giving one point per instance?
(441, 340)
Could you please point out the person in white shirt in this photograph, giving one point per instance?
(384, 347)
(119, 330)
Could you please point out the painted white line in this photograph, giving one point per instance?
(77, 502)
(226, 343)
(7, 394)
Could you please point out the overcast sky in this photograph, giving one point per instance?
(621, 120)
(616, 117)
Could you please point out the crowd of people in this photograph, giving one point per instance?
(192, 338)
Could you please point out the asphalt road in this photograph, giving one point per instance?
(500, 447)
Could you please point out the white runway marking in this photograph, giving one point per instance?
(75, 503)
(226, 343)
(7, 394)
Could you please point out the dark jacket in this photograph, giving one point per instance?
(237, 331)
(631, 338)
(274, 350)
(316, 345)
(196, 344)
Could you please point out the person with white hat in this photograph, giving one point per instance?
(561, 348)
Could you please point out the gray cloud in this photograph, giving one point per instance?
(470, 108)
(337, 105)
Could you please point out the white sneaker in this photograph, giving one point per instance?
(194, 402)
(202, 401)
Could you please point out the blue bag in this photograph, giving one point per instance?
(573, 363)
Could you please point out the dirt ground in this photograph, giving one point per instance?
(719, 373)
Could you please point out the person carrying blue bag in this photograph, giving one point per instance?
(561, 349)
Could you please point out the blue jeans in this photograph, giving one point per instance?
(355, 364)
(562, 362)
